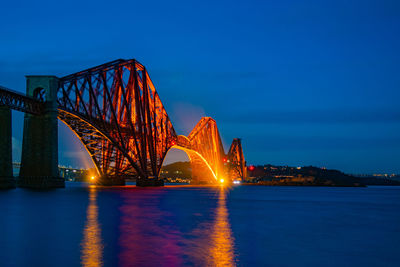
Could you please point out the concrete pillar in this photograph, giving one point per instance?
(39, 160)
(149, 181)
(6, 171)
(111, 180)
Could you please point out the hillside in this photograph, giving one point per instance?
(180, 170)
(310, 176)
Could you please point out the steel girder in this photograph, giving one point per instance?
(116, 112)
(20, 102)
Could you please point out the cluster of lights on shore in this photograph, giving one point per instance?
(222, 181)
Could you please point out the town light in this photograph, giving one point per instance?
(92, 178)
(221, 181)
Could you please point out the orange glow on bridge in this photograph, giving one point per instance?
(117, 114)
(126, 129)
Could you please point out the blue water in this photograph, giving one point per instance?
(200, 226)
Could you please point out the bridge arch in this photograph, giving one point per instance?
(40, 93)
(202, 172)
(108, 165)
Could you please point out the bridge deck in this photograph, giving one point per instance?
(20, 102)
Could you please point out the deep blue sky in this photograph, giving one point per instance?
(302, 82)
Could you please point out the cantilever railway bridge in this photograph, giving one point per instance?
(116, 112)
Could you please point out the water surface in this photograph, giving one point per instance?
(200, 226)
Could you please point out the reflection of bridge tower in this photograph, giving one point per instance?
(39, 160)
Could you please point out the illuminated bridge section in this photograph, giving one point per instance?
(235, 161)
(116, 112)
(205, 151)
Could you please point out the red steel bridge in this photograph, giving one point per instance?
(116, 112)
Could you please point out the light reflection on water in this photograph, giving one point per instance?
(222, 248)
(92, 244)
(151, 235)
(189, 226)
(146, 237)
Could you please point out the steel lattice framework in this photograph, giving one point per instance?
(20, 102)
(236, 163)
(206, 141)
(116, 112)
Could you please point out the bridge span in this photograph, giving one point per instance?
(116, 112)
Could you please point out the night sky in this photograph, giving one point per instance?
(301, 82)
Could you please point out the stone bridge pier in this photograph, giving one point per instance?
(6, 173)
(39, 160)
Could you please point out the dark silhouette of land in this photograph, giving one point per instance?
(284, 176)
(180, 172)
(310, 176)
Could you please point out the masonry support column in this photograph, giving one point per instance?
(39, 160)
(6, 172)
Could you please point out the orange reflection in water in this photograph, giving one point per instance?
(222, 248)
(92, 246)
(147, 237)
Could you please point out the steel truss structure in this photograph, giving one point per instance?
(17, 101)
(116, 112)
(235, 161)
(206, 153)
(206, 141)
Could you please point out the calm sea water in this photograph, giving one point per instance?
(200, 226)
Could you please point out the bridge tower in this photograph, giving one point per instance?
(237, 165)
(6, 173)
(39, 160)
